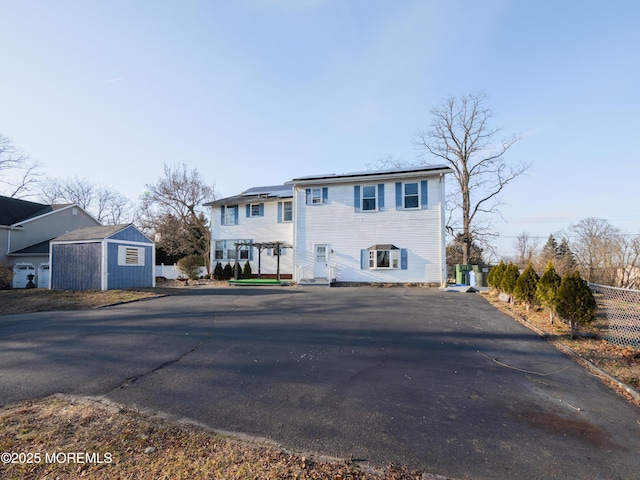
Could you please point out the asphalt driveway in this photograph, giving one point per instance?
(437, 381)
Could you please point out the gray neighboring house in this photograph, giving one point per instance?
(102, 258)
(25, 231)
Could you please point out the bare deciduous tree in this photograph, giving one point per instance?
(106, 204)
(18, 172)
(526, 246)
(171, 211)
(462, 138)
(597, 249)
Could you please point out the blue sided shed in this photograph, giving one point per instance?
(102, 258)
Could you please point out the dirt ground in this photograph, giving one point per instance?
(63, 437)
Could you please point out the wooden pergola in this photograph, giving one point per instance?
(277, 247)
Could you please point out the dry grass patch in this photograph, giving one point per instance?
(622, 363)
(124, 444)
(38, 300)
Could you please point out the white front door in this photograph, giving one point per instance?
(320, 269)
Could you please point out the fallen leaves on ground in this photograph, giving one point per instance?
(123, 444)
(38, 299)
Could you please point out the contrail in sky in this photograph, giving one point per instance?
(112, 80)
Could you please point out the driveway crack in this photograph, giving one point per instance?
(132, 380)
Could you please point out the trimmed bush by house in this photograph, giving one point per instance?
(246, 271)
(218, 272)
(190, 265)
(227, 272)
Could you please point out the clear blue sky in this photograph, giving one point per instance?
(255, 92)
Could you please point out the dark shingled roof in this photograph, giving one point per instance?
(14, 210)
(41, 248)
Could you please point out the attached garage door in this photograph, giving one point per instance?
(20, 274)
(43, 275)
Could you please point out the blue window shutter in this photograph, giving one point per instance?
(248, 210)
(262, 209)
(235, 214)
(424, 198)
(279, 212)
(308, 196)
(403, 259)
(364, 259)
(222, 215)
(251, 252)
(398, 195)
(325, 195)
(356, 198)
(381, 196)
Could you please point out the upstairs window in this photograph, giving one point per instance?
(255, 209)
(229, 215)
(368, 198)
(287, 211)
(412, 195)
(316, 196)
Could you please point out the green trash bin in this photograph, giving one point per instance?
(462, 274)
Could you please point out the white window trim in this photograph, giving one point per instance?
(404, 196)
(127, 258)
(316, 200)
(284, 219)
(375, 198)
(230, 246)
(394, 259)
(251, 212)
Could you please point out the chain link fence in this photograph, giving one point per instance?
(621, 309)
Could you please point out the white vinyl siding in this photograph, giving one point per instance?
(261, 228)
(348, 230)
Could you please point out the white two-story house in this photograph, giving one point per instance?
(382, 226)
(255, 226)
(369, 227)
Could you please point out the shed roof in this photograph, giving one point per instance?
(91, 233)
